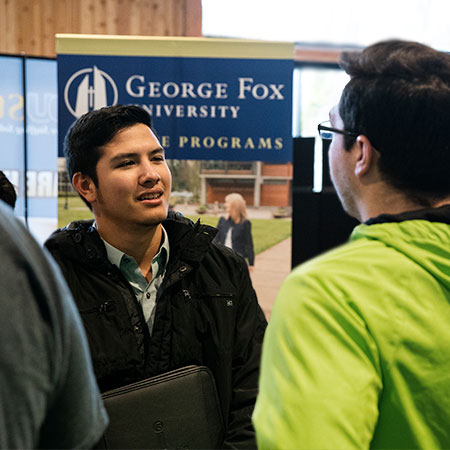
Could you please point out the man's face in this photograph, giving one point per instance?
(341, 168)
(134, 181)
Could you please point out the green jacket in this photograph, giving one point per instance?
(357, 351)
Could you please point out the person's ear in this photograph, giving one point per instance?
(366, 157)
(85, 186)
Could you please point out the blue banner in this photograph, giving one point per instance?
(42, 176)
(204, 108)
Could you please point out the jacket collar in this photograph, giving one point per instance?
(441, 214)
(188, 241)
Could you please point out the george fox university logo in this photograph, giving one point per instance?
(89, 89)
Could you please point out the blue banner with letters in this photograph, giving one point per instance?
(42, 177)
(202, 107)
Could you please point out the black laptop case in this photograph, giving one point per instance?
(176, 410)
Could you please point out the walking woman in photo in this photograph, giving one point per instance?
(235, 231)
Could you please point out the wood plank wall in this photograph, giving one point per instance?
(30, 26)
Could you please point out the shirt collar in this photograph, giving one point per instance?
(162, 257)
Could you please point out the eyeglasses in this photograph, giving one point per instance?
(326, 132)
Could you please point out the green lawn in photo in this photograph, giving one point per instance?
(72, 208)
(266, 232)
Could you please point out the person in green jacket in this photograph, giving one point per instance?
(357, 351)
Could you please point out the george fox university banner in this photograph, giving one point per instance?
(210, 99)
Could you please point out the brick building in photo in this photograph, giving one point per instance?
(261, 184)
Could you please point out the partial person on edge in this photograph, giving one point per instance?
(235, 230)
(357, 352)
(7, 191)
(155, 293)
(48, 397)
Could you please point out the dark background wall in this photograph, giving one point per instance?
(318, 220)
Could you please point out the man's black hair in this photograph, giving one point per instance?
(7, 191)
(399, 97)
(83, 142)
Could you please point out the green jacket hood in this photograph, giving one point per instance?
(422, 236)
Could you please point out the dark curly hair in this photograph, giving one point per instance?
(399, 97)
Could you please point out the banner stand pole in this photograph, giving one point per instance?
(25, 141)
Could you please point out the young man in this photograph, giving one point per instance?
(154, 292)
(48, 396)
(357, 352)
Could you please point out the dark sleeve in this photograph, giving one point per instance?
(49, 396)
(250, 326)
(76, 411)
(220, 236)
(248, 243)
